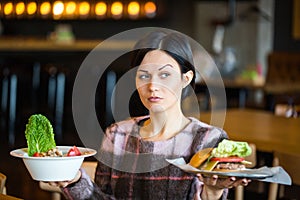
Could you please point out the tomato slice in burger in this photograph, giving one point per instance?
(228, 159)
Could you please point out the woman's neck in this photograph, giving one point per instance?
(163, 125)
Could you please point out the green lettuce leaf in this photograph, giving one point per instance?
(39, 134)
(228, 148)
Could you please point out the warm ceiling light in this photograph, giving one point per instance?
(45, 8)
(117, 9)
(100, 8)
(84, 8)
(20, 8)
(133, 9)
(58, 8)
(8, 8)
(31, 8)
(70, 8)
(150, 9)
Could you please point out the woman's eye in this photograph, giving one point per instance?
(144, 76)
(164, 75)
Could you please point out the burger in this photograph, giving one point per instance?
(229, 155)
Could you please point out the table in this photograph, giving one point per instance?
(8, 197)
(267, 131)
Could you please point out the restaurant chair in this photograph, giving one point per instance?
(287, 110)
(291, 163)
(282, 79)
(88, 166)
(2, 184)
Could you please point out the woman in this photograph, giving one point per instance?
(133, 152)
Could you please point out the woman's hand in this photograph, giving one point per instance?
(66, 183)
(214, 186)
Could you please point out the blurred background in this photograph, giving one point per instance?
(44, 42)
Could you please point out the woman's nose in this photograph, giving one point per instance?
(153, 86)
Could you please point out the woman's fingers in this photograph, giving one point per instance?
(65, 183)
(234, 182)
(59, 184)
(229, 182)
(52, 184)
(243, 182)
(210, 180)
(218, 182)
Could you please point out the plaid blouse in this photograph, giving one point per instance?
(133, 168)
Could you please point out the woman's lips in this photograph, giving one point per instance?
(154, 99)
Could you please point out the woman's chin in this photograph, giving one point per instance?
(157, 109)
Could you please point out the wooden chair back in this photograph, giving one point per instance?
(283, 69)
(2, 183)
(282, 83)
(291, 163)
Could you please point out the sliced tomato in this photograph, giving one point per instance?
(36, 154)
(228, 159)
(74, 151)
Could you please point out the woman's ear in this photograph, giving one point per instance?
(187, 78)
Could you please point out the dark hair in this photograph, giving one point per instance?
(174, 44)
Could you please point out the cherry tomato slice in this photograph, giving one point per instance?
(74, 151)
(36, 154)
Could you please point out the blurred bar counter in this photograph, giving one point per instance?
(12, 44)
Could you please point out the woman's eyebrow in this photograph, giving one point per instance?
(165, 66)
(143, 70)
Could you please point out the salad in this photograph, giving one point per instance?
(40, 139)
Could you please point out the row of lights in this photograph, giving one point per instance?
(72, 9)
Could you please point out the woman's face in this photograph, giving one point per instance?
(159, 81)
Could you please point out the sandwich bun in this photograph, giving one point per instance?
(224, 164)
(199, 157)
